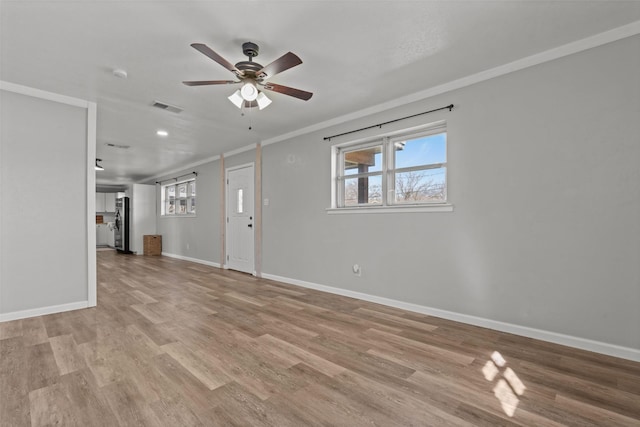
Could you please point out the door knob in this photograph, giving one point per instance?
(250, 226)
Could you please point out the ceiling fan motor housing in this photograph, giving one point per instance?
(250, 66)
(250, 49)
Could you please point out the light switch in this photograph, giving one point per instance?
(266, 202)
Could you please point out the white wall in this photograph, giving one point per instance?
(142, 215)
(44, 204)
(543, 173)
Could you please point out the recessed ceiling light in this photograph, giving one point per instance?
(162, 133)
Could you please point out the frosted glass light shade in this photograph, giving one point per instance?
(262, 100)
(249, 91)
(236, 99)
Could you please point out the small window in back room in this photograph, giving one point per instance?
(179, 199)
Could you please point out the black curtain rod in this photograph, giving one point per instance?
(379, 125)
(176, 178)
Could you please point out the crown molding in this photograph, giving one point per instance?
(600, 39)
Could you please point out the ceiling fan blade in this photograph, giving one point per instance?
(206, 50)
(286, 61)
(210, 82)
(296, 93)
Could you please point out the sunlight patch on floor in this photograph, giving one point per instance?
(508, 386)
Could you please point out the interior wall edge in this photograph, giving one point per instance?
(539, 334)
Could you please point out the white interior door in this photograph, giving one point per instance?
(240, 231)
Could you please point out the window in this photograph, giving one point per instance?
(395, 170)
(179, 198)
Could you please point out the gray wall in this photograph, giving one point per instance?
(43, 247)
(202, 232)
(543, 173)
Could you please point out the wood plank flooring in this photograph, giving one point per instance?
(173, 343)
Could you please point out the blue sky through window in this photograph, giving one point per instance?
(422, 151)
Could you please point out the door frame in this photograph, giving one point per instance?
(228, 204)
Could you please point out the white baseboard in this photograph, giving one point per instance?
(42, 311)
(196, 260)
(567, 340)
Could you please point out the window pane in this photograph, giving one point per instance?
(240, 206)
(182, 206)
(421, 186)
(170, 209)
(171, 192)
(192, 208)
(363, 191)
(361, 161)
(182, 190)
(192, 188)
(421, 151)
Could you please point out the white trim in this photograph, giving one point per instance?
(42, 94)
(200, 162)
(43, 311)
(241, 150)
(610, 36)
(180, 169)
(613, 35)
(232, 168)
(92, 279)
(391, 209)
(196, 260)
(539, 334)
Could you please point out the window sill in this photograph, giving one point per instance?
(442, 207)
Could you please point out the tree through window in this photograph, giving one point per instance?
(400, 169)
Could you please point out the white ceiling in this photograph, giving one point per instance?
(356, 54)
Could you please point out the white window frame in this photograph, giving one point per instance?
(176, 214)
(388, 173)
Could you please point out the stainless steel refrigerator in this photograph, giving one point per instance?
(121, 232)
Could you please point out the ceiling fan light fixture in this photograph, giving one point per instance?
(262, 100)
(236, 99)
(98, 167)
(249, 91)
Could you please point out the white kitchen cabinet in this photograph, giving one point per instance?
(110, 202)
(111, 238)
(104, 236)
(101, 234)
(100, 202)
(105, 202)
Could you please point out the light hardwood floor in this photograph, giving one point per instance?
(173, 343)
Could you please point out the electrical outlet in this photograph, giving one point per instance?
(356, 270)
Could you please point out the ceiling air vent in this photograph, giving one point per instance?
(168, 107)
(121, 147)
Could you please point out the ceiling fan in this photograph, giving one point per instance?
(252, 75)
